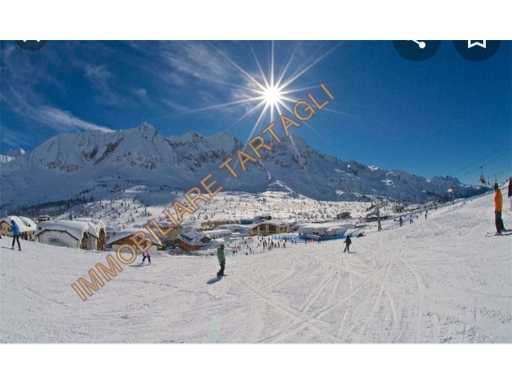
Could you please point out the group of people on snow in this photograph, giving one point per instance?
(411, 218)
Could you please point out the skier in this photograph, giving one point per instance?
(510, 192)
(426, 213)
(498, 207)
(347, 242)
(15, 234)
(146, 255)
(222, 260)
(401, 221)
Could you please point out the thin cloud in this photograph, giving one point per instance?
(196, 60)
(64, 120)
(177, 106)
(205, 68)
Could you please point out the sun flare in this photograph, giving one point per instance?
(268, 92)
(272, 96)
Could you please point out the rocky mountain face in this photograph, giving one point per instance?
(93, 165)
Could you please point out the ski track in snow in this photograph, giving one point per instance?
(439, 280)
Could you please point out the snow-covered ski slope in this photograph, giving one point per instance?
(440, 280)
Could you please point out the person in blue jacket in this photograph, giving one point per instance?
(15, 234)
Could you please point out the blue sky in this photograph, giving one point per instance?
(443, 116)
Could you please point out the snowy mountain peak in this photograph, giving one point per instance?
(99, 164)
(146, 129)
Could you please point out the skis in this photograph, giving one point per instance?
(12, 249)
(496, 234)
(140, 265)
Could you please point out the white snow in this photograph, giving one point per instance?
(437, 280)
(280, 205)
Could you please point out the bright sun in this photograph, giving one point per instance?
(272, 96)
(267, 92)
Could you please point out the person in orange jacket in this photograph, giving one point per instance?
(498, 208)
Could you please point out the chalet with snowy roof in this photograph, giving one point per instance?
(166, 231)
(212, 224)
(100, 230)
(191, 240)
(133, 237)
(270, 228)
(82, 234)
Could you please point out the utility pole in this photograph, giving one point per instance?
(379, 225)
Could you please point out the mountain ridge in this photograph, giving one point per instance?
(101, 164)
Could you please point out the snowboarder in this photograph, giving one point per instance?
(146, 255)
(510, 192)
(222, 260)
(15, 234)
(498, 207)
(347, 242)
